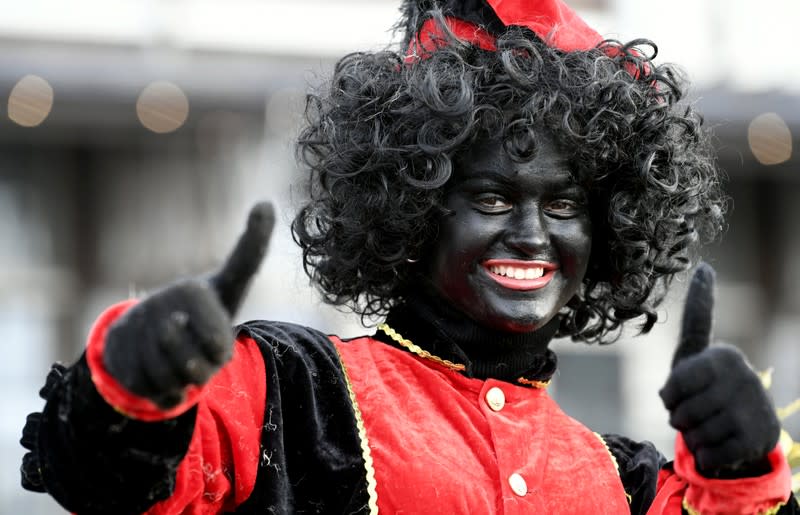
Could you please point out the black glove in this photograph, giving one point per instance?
(181, 335)
(714, 398)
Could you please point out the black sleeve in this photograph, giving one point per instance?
(311, 460)
(314, 461)
(639, 464)
(91, 458)
(790, 508)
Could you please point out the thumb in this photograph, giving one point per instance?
(232, 280)
(697, 314)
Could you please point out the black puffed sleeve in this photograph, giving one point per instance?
(639, 464)
(91, 458)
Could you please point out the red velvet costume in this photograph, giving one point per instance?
(429, 439)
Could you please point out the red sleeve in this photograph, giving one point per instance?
(219, 470)
(686, 488)
(669, 493)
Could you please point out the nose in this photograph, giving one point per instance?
(528, 231)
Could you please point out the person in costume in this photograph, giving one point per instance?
(505, 178)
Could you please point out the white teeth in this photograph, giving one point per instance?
(517, 272)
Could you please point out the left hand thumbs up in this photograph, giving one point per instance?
(714, 398)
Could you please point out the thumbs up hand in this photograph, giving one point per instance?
(713, 396)
(181, 335)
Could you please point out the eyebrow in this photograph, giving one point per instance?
(565, 180)
(488, 175)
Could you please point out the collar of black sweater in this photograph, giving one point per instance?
(444, 333)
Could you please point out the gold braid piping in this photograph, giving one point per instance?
(688, 507)
(533, 382)
(419, 351)
(771, 511)
(613, 460)
(362, 435)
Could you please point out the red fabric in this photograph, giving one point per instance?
(669, 494)
(431, 36)
(733, 496)
(434, 441)
(551, 20)
(220, 467)
(630, 67)
(719, 496)
(219, 471)
(127, 403)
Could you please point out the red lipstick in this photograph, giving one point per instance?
(516, 274)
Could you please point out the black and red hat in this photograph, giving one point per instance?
(478, 22)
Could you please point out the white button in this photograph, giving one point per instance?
(518, 484)
(495, 398)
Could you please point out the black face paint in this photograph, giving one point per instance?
(516, 245)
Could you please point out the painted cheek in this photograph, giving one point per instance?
(575, 244)
(470, 239)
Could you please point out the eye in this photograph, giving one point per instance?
(492, 203)
(564, 208)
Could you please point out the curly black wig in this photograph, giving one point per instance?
(381, 142)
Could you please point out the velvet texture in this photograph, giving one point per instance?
(311, 458)
(734, 496)
(284, 445)
(639, 466)
(289, 443)
(214, 475)
(94, 460)
(436, 442)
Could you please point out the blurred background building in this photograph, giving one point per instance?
(135, 134)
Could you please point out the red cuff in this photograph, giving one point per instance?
(747, 495)
(122, 400)
(669, 493)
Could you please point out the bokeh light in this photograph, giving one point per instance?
(770, 139)
(30, 101)
(162, 107)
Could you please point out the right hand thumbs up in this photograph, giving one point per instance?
(714, 398)
(181, 335)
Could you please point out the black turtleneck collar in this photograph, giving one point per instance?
(486, 353)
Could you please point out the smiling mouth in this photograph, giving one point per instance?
(520, 275)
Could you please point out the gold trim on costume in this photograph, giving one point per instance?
(362, 435)
(533, 382)
(772, 511)
(419, 351)
(613, 460)
(688, 507)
